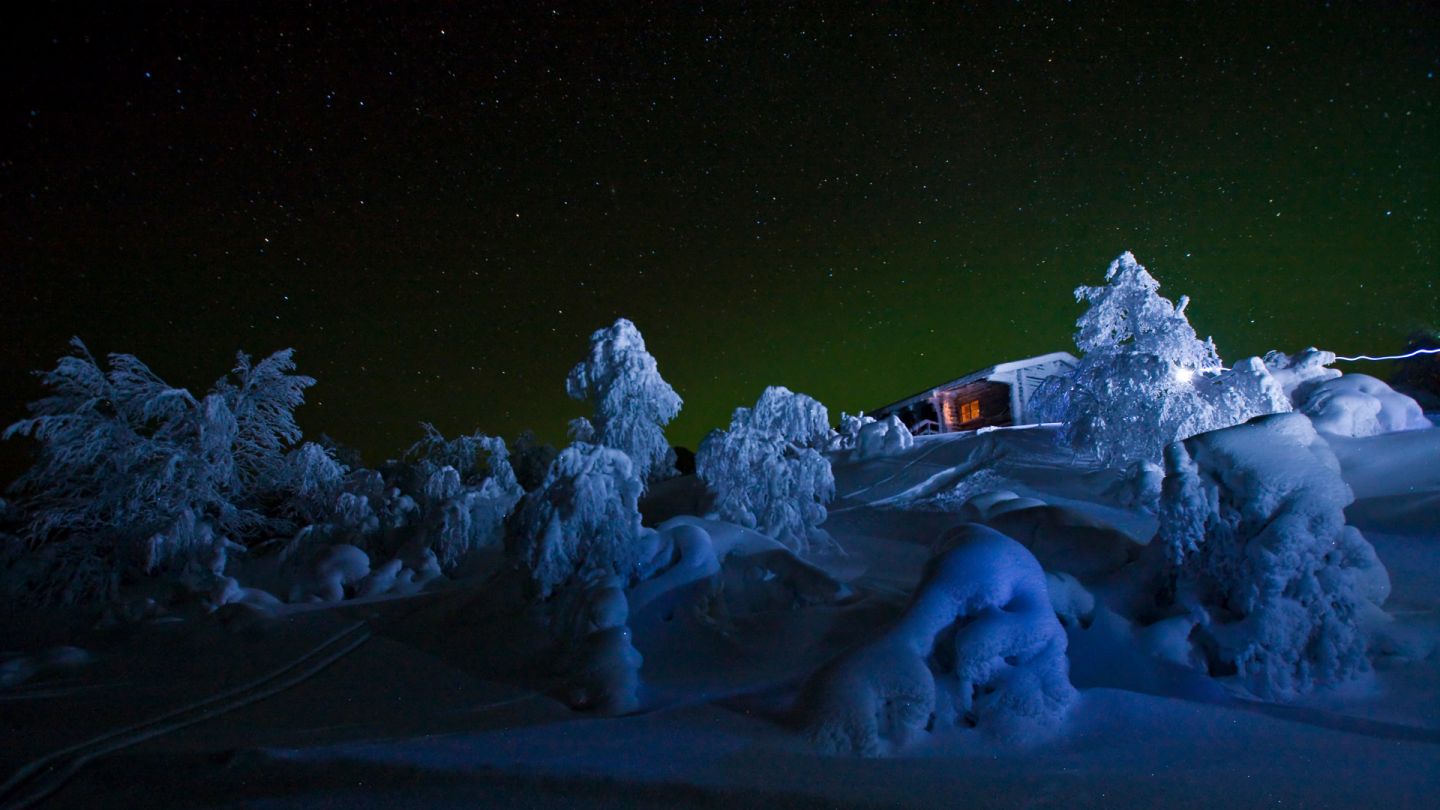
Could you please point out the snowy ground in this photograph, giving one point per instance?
(429, 701)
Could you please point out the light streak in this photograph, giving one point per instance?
(1389, 356)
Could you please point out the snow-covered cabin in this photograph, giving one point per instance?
(991, 397)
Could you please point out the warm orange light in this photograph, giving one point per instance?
(970, 411)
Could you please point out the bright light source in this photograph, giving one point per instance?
(1407, 356)
(1184, 374)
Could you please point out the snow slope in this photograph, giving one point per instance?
(451, 699)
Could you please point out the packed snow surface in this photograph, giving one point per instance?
(987, 628)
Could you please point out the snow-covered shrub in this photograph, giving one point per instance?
(1252, 520)
(475, 457)
(583, 517)
(133, 473)
(1299, 371)
(632, 403)
(1145, 379)
(462, 519)
(887, 437)
(309, 484)
(122, 457)
(368, 508)
(849, 431)
(263, 398)
(1358, 405)
(979, 644)
(469, 490)
(766, 472)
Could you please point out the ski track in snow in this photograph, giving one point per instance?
(33, 782)
(982, 455)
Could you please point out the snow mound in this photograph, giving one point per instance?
(749, 573)
(1062, 539)
(887, 437)
(1294, 371)
(1252, 521)
(602, 667)
(978, 644)
(1139, 486)
(56, 660)
(332, 572)
(1358, 405)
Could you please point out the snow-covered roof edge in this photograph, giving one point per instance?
(984, 373)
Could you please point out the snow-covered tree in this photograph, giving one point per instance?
(1252, 525)
(469, 490)
(767, 472)
(263, 397)
(848, 434)
(632, 403)
(474, 456)
(583, 518)
(1128, 315)
(886, 437)
(309, 484)
(1145, 379)
(134, 474)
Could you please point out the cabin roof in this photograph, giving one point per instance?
(975, 376)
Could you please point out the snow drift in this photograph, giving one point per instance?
(1358, 405)
(978, 644)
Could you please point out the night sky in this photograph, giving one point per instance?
(436, 208)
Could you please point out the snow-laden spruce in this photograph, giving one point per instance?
(311, 480)
(584, 517)
(1252, 519)
(979, 644)
(632, 403)
(469, 491)
(1145, 379)
(767, 472)
(128, 467)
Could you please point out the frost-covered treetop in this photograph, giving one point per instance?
(1128, 314)
(632, 402)
(618, 369)
(795, 417)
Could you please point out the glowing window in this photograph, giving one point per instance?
(970, 411)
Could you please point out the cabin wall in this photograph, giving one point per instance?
(974, 405)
